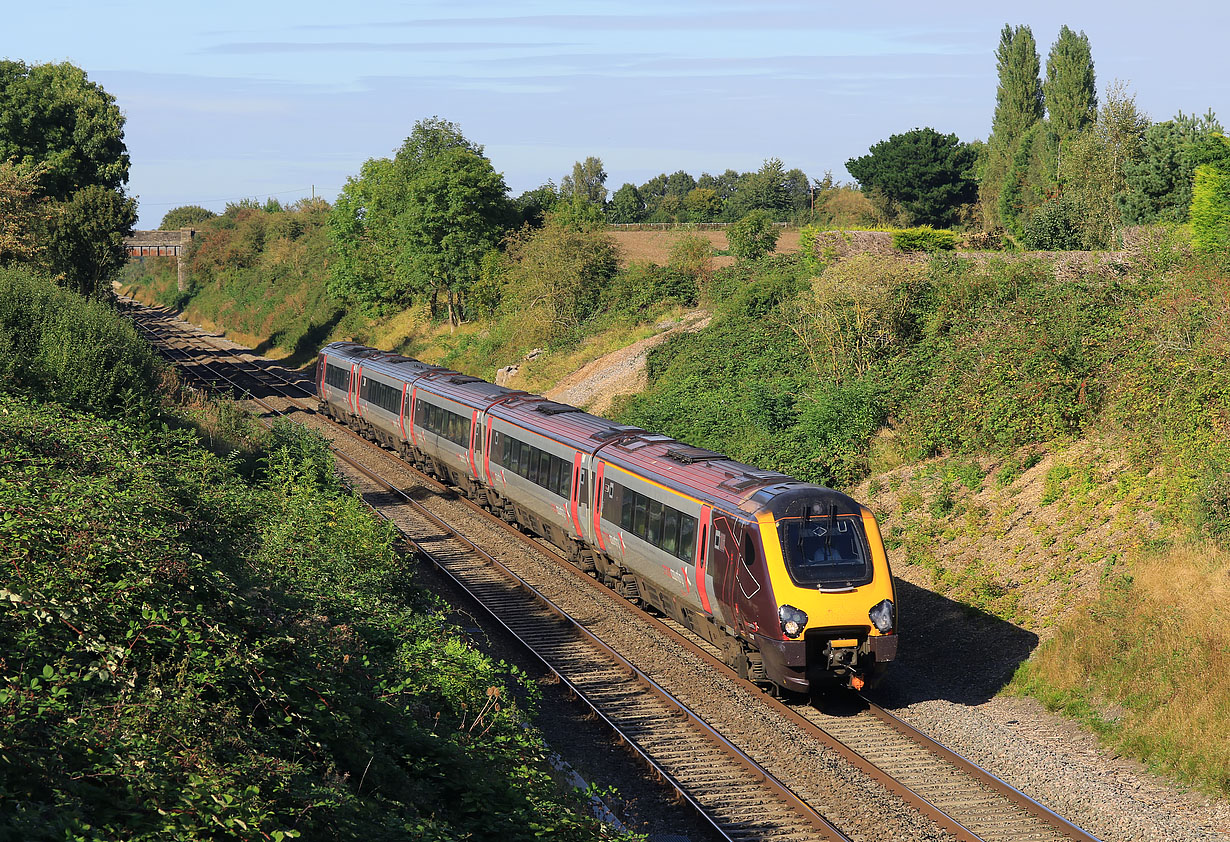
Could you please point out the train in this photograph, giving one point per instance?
(788, 580)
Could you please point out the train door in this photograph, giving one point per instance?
(352, 393)
(704, 584)
(722, 563)
(578, 501)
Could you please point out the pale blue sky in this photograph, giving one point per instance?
(250, 99)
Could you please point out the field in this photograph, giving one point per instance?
(655, 246)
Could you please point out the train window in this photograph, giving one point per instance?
(670, 531)
(627, 506)
(336, 376)
(687, 537)
(640, 522)
(654, 535)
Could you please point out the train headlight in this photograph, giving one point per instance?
(793, 620)
(882, 616)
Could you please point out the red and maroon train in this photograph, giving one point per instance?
(790, 580)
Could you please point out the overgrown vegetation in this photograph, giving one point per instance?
(188, 651)
(880, 363)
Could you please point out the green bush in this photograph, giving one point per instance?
(1211, 209)
(924, 238)
(753, 236)
(191, 656)
(1055, 226)
(63, 347)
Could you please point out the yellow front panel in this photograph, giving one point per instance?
(826, 610)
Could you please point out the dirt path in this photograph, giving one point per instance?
(595, 385)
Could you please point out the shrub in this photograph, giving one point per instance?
(1055, 226)
(753, 236)
(1211, 209)
(924, 238)
(692, 255)
(60, 346)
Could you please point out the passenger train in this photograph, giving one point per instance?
(788, 579)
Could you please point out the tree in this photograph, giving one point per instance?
(24, 214)
(753, 236)
(927, 173)
(553, 279)
(86, 240)
(1018, 99)
(587, 181)
(1092, 168)
(455, 210)
(626, 206)
(692, 254)
(1158, 184)
(1070, 90)
(764, 190)
(185, 216)
(1018, 105)
(57, 123)
(703, 204)
(53, 114)
(1210, 211)
(533, 205)
(418, 225)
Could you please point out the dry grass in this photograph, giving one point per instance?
(1115, 666)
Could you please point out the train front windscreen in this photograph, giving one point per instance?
(825, 548)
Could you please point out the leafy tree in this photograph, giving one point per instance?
(418, 225)
(1018, 99)
(1092, 169)
(679, 183)
(725, 185)
(626, 206)
(185, 216)
(753, 236)
(1030, 178)
(927, 173)
(23, 214)
(86, 242)
(703, 204)
(692, 254)
(765, 190)
(455, 211)
(1158, 184)
(1070, 89)
(553, 278)
(533, 205)
(53, 114)
(587, 181)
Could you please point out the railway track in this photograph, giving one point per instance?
(960, 797)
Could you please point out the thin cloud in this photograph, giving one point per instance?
(269, 47)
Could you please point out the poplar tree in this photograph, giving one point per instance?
(1018, 106)
(1070, 90)
(1018, 100)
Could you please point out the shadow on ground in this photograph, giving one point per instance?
(950, 651)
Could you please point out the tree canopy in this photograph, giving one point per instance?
(1070, 89)
(63, 138)
(417, 225)
(185, 216)
(928, 174)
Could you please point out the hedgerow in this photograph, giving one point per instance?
(185, 654)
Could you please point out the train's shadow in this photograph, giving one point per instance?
(949, 651)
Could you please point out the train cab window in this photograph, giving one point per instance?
(825, 549)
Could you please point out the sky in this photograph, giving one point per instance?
(232, 100)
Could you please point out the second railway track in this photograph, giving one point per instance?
(837, 764)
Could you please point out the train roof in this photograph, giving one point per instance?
(695, 471)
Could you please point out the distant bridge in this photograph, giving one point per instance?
(143, 244)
